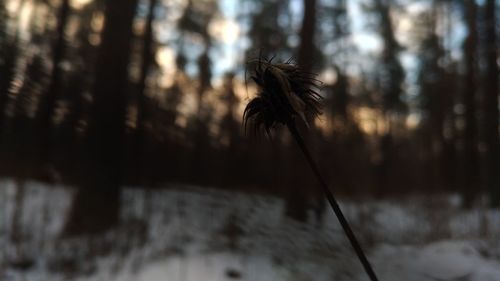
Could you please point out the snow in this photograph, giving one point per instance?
(444, 260)
(190, 233)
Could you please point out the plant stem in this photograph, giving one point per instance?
(333, 202)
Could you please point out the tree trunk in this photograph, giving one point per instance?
(97, 204)
(491, 107)
(306, 48)
(147, 58)
(471, 161)
(296, 196)
(8, 56)
(48, 101)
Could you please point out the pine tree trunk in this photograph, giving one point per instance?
(8, 56)
(48, 101)
(491, 107)
(97, 204)
(306, 48)
(147, 58)
(471, 161)
(296, 197)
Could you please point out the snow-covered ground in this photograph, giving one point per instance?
(188, 233)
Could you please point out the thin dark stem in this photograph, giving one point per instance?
(333, 203)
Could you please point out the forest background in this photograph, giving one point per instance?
(101, 94)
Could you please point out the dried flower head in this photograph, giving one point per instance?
(285, 92)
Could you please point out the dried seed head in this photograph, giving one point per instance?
(285, 92)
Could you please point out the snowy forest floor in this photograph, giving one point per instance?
(188, 233)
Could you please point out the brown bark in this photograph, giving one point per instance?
(296, 197)
(306, 48)
(48, 102)
(97, 203)
(8, 56)
(147, 58)
(471, 161)
(491, 107)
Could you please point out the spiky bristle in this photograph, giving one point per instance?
(285, 93)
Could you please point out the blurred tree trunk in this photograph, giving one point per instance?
(147, 59)
(205, 74)
(391, 72)
(8, 57)
(438, 104)
(433, 94)
(97, 203)
(449, 91)
(296, 197)
(306, 48)
(390, 76)
(471, 161)
(491, 106)
(4, 63)
(48, 101)
(449, 150)
(230, 129)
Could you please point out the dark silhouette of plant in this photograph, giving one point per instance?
(288, 93)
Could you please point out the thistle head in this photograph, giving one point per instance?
(286, 93)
